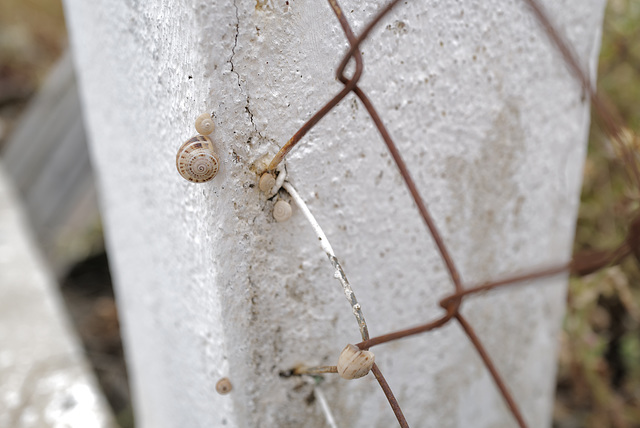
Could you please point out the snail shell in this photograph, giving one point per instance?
(354, 363)
(197, 161)
(282, 211)
(224, 386)
(267, 181)
(204, 124)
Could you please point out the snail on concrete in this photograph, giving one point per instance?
(282, 211)
(197, 161)
(224, 386)
(267, 181)
(204, 124)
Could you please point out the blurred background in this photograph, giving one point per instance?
(598, 382)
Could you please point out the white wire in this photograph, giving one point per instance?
(326, 247)
(282, 175)
(325, 407)
(324, 242)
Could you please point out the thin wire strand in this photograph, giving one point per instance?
(395, 153)
(506, 281)
(390, 397)
(326, 410)
(451, 303)
(315, 370)
(326, 247)
(492, 370)
(378, 340)
(355, 44)
(609, 119)
(289, 145)
(422, 207)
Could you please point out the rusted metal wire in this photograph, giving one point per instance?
(405, 333)
(607, 116)
(580, 264)
(515, 411)
(390, 397)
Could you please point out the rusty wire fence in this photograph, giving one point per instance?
(625, 145)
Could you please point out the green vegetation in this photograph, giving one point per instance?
(599, 371)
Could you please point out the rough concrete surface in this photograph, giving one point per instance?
(44, 380)
(493, 129)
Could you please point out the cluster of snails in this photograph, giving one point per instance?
(281, 209)
(197, 160)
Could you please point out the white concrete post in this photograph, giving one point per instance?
(492, 127)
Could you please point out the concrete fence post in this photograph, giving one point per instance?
(493, 128)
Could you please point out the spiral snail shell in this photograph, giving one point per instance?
(224, 386)
(197, 161)
(282, 211)
(204, 124)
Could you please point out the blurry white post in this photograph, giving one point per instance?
(493, 129)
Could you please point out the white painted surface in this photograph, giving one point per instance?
(493, 129)
(45, 381)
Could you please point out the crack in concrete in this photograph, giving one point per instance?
(235, 43)
(233, 70)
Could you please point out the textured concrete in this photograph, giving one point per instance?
(493, 129)
(44, 379)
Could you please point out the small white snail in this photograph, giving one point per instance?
(282, 211)
(204, 124)
(267, 181)
(197, 161)
(224, 386)
(354, 362)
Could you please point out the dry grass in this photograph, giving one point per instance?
(599, 370)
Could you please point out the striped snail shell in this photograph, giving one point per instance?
(354, 363)
(197, 161)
